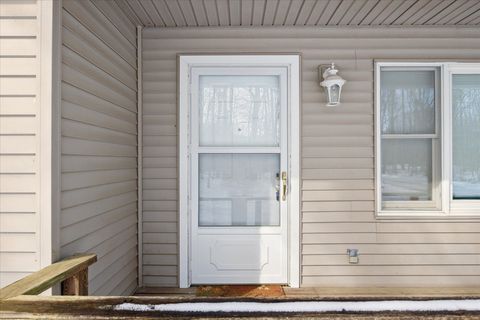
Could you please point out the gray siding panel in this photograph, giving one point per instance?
(337, 157)
(99, 143)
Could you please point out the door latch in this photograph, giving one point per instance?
(277, 187)
(284, 185)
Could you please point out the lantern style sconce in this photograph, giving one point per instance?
(333, 85)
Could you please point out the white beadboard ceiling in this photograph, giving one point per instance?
(198, 13)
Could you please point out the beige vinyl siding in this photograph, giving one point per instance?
(19, 139)
(337, 157)
(99, 143)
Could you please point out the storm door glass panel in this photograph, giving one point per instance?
(241, 111)
(406, 170)
(408, 102)
(238, 189)
(466, 136)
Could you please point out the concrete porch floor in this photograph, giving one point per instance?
(326, 293)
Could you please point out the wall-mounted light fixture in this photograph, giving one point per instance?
(332, 83)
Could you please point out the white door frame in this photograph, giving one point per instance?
(185, 63)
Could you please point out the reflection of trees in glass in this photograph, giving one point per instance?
(466, 132)
(407, 102)
(243, 113)
(408, 110)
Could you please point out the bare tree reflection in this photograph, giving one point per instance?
(407, 108)
(466, 136)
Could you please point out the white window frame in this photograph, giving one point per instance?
(448, 206)
(185, 63)
(456, 207)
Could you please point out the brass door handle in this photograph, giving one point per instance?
(284, 185)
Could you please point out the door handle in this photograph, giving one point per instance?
(284, 185)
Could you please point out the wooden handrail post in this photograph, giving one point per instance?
(72, 272)
(76, 285)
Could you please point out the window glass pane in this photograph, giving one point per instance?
(406, 169)
(407, 100)
(466, 136)
(239, 111)
(238, 190)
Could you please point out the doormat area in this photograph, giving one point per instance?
(251, 291)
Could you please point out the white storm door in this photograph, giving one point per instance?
(238, 148)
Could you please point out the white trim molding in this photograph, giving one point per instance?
(446, 207)
(185, 63)
(46, 12)
(56, 132)
(56, 127)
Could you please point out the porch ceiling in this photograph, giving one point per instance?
(196, 13)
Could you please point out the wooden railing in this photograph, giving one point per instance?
(72, 272)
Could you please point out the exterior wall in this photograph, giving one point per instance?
(99, 143)
(24, 143)
(337, 157)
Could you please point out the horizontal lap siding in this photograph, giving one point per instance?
(19, 139)
(99, 143)
(337, 157)
(160, 254)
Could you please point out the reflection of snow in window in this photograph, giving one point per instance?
(406, 170)
(238, 189)
(466, 136)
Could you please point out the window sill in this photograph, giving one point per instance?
(427, 215)
(465, 213)
(462, 207)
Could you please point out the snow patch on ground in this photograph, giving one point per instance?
(308, 306)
